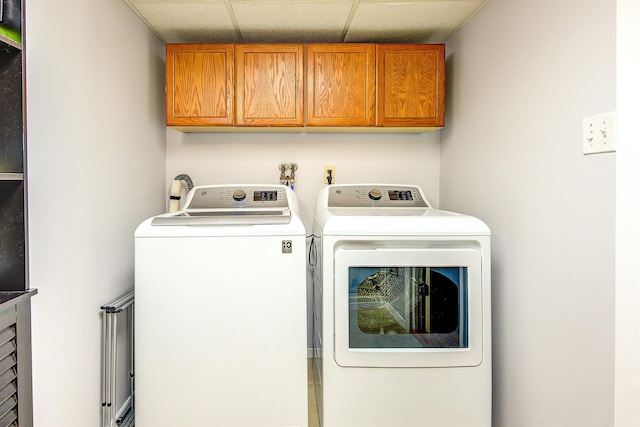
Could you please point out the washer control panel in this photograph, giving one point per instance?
(386, 196)
(222, 197)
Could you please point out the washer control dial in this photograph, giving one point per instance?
(375, 194)
(239, 195)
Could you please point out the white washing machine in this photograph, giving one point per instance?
(220, 319)
(402, 313)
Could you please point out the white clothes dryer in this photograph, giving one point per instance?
(220, 316)
(401, 310)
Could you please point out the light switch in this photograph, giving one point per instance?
(599, 134)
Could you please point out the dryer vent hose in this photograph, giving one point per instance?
(176, 190)
(186, 178)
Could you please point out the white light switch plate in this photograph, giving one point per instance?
(599, 133)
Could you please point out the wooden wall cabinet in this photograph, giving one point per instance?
(269, 85)
(341, 83)
(411, 85)
(200, 84)
(312, 88)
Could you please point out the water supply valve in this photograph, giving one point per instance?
(288, 173)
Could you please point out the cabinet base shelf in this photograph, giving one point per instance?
(350, 129)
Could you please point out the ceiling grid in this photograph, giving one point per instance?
(305, 21)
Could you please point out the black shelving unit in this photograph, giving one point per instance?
(16, 394)
(13, 225)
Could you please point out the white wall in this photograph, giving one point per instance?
(627, 383)
(96, 169)
(521, 76)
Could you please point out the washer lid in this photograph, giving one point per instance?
(225, 217)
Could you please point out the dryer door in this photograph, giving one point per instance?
(409, 307)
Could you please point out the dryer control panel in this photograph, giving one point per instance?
(384, 196)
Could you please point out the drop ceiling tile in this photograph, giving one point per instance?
(430, 21)
(306, 21)
(187, 21)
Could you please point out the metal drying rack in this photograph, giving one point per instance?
(111, 415)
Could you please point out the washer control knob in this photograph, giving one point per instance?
(375, 194)
(239, 195)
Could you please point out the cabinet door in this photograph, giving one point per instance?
(411, 82)
(269, 85)
(200, 84)
(340, 85)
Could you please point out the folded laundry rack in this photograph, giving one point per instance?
(117, 402)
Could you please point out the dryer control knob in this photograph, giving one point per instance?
(239, 195)
(375, 194)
